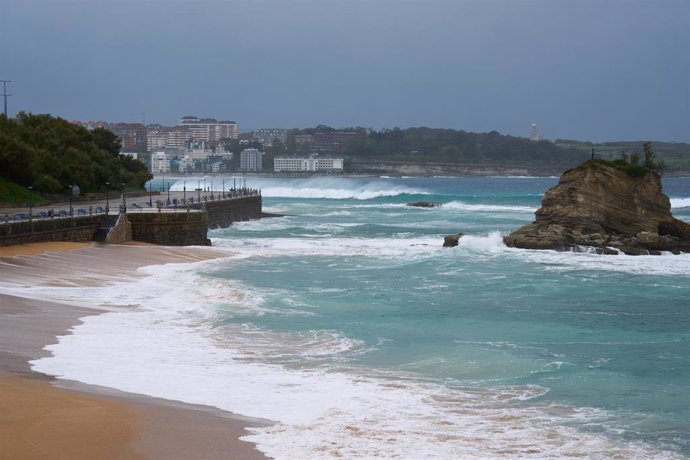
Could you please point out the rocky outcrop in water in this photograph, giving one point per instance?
(450, 241)
(600, 205)
(424, 204)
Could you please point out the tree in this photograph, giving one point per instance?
(50, 153)
(107, 140)
(651, 161)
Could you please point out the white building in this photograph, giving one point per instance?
(160, 137)
(130, 154)
(268, 135)
(313, 164)
(186, 164)
(251, 160)
(160, 163)
(210, 129)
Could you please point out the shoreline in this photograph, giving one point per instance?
(43, 414)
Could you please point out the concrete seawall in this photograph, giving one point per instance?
(222, 213)
(77, 229)
(170, 227)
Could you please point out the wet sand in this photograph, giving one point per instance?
(43, 417)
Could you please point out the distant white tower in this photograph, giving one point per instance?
(534, 136)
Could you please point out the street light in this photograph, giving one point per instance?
(124, 200)
(150, 198)
(198, 195)
(30, 201)
(70, 192)
(223, 188)
(107, 198)
(184, 193)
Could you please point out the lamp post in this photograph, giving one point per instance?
(198, 194)
(70, 192)
(31, 207)
(124, 200)
(150, 197)
(107, 198)
(184, 193)
(168, 189)
(223, 188)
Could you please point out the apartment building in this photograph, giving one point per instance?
(210, 129)
(161, 137)
(251, 160)
(132, 135)
(160, 163)
(312, 164)
(267, 135)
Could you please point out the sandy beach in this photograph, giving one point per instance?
(42, 417)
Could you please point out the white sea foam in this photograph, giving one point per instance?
(487, 207)
(386, 248)
(668, 264)
(362, 193)
(326, 187)
(679, 203)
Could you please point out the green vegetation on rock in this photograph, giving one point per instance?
(634, 164)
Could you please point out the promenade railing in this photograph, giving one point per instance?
(185, 204)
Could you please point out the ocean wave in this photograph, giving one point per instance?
(679, 203)
(491, 244)
(386, 248)
(362, 193)
(487, 207)
(318, 187)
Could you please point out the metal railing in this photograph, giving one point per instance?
(185, 204)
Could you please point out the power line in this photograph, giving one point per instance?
(4, 93)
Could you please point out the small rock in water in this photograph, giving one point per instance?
(450, 241)
(425, 204)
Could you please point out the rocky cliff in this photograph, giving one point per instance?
(599, 204)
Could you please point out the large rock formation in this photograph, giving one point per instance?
(599, 204)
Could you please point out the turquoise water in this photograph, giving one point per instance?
(348, 325)
(611, 334)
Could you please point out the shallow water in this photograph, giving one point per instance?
(349, 324)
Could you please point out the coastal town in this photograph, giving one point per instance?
(207, 145)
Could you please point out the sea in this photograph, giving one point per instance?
(348, 325)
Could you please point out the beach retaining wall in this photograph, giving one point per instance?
(170, 228)
(78, 229)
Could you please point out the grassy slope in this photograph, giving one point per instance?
(13, 193)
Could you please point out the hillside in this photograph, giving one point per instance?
(436, 151)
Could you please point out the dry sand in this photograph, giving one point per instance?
(39, 420)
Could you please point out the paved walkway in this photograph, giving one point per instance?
(134, 204)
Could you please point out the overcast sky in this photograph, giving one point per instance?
(591, 70)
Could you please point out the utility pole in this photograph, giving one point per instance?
(4, 93)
